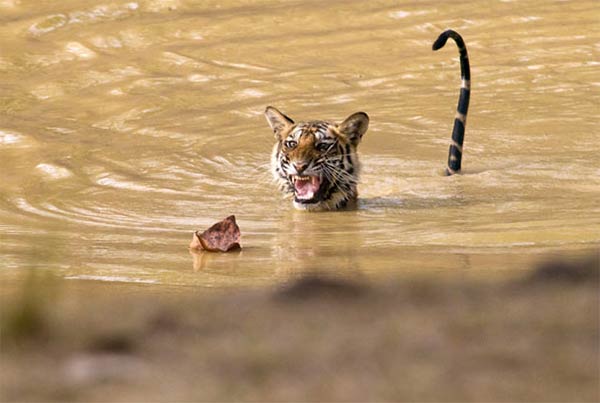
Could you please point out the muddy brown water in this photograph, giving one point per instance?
(125, 126)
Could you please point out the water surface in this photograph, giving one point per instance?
(126, 125)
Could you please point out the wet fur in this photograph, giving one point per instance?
(327, 149)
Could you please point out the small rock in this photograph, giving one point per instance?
(315, 287)
(567, 272)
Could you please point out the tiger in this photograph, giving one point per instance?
(316, 162)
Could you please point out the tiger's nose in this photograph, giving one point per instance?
(300, 166)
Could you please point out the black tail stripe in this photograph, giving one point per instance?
(458, 131)
(465, 70)
(455, 151)
(463, 101)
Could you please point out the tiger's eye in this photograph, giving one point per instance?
(323, 147)
(290, 144)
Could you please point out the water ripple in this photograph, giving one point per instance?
(127, 125)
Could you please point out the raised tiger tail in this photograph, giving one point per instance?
(458, 132)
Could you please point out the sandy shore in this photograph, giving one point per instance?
(315, 339)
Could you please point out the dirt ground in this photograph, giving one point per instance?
(313, 339)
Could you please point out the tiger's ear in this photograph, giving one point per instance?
(354, 127)
(278, 121)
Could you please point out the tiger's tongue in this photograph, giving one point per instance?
(306, 189)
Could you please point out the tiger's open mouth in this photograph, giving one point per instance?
(307, 189)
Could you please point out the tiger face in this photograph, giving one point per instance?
(316, 161)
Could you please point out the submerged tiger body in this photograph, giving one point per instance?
(316, 162)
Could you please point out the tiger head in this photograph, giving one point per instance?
(316, 161)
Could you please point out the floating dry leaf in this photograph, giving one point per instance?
(223, 236)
